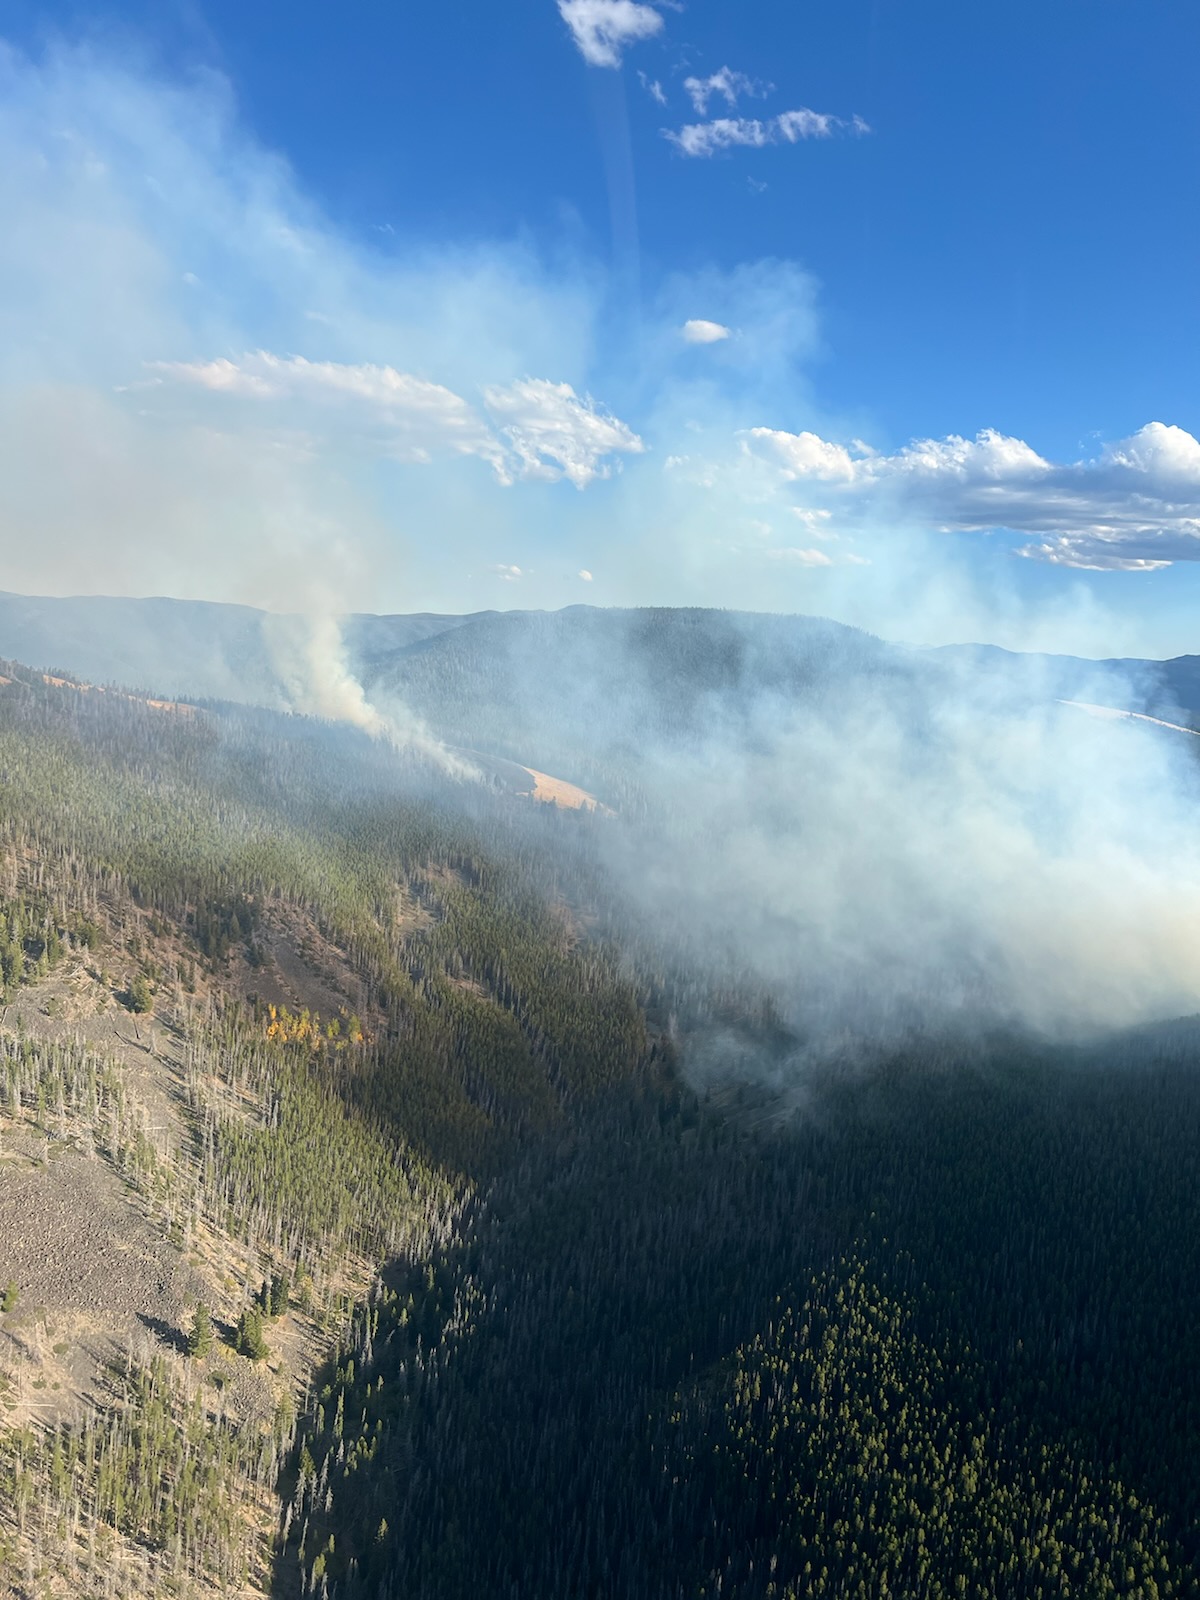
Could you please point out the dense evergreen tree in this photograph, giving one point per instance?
(937, 1336)
(200, 1335)
(249, 1340)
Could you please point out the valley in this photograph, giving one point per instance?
(401, 1194)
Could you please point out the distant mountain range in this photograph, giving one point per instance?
(551, 684)
(178, 647)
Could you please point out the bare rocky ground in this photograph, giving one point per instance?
(92, 1270)
(102, 1273)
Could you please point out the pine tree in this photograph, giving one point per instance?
(141, 996)
(250, 1341)
(279, 1299)
(200, 1338)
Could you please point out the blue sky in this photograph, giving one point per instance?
(886, 312)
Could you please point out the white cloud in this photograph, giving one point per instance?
(728, 84)
(543, 429)
(697, 330)
(706, 138)
(725, 133)
(815, 522)
(264, 375)
(805, 124)
(603, 29)
(556, 434)
(805, 455)
(1097, 553)
(653, 88)
(146, 232)
(585, 575)
(800, 558)
(1170, 453)
(1135, 507)
(411, 417)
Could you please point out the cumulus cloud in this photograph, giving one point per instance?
(1133, 507)
(604, 29)
(411, 417)
(149, 242)
(553, 432)
(697, 330)
(585, 575)
(508, 573)
(544, 430)
(209, 389)
(728, 84)
(805, 455)
(700, 139)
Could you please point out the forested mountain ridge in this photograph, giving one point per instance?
(226, 950)
(491, 680)
(196, 648)
(382, 1089)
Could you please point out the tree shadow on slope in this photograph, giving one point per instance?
(537, 1413)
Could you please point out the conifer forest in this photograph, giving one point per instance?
(366, 1229)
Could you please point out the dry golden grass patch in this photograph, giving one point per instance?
(558, 792)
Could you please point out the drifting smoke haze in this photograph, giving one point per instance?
(889, 841)
(888, 864)
(244, 393)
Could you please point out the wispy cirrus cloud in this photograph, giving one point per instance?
(1133, 507)
(653, 88)
(604, 29)
(701, 139)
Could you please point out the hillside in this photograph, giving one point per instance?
(191, 648)
(200, 974)
(1169, 689)
(515, 1280)
(524, 684)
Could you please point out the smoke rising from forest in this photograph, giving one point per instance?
(896, 860)
(889, 841)
(880, 849)
(308, 652)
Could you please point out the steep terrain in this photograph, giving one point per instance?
(190, 648)
(361, 1235)
(224, 950)
(524, 684)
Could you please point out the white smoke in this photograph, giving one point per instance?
(308, 652)
(894, 857)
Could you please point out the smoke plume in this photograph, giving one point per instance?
(309, 656)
